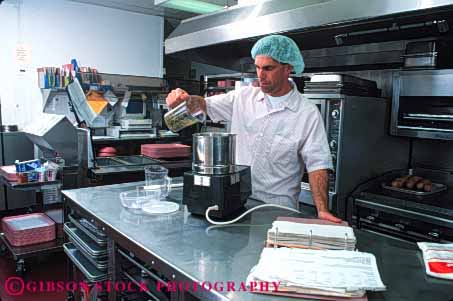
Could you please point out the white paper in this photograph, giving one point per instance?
(335, 271)
(438, 259)
(313, 229)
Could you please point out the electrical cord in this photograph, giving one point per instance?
(216, 207)
(214, 227)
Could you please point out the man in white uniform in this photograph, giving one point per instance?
(278, 131)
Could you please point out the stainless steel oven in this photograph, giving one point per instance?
(361, 148)
(423, 104)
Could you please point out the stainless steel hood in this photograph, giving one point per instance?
(290, 17)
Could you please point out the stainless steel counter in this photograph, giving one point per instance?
(190, 247)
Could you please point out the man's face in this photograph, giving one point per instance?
(272, 75)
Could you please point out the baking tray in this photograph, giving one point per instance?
(436, 188)
(100, 239)
(100, 263)
(92, 248)
(89, 271)
(136, 160)
(107, 161)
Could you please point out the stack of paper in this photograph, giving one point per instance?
(311, 233)
(319, 273)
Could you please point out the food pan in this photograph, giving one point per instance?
(99, 238)
(89, 271)
(436, 188)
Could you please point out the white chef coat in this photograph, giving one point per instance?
(275, 142)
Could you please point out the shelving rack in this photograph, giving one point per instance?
(20, 254)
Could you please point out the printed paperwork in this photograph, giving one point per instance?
(438, 259)
(346, 274)
(311, 233)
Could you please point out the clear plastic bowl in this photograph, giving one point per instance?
(136, 198)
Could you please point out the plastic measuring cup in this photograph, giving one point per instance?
(157, 180)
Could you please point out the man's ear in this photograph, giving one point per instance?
(290, 68)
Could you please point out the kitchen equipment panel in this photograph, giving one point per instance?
(361, 148)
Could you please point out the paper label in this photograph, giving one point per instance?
(201, 181)
(23, 54)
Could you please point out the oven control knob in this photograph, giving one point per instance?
(400, 226)
(333, 144)
(434, 234)
(335, 114)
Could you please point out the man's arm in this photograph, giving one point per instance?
(319, 186)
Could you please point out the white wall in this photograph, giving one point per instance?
(56, 31)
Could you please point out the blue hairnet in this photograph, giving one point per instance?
(282, 49)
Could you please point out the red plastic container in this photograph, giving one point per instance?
(28, 229)
(170, 150)
(9, 173)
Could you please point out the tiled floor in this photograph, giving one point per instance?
(40, 270)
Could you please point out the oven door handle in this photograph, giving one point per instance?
(431, 117)
(408, 213)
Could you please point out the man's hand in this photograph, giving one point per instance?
(326, 215)
(319, 190)
(175, 97)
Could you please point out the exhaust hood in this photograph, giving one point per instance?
(244, 24)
